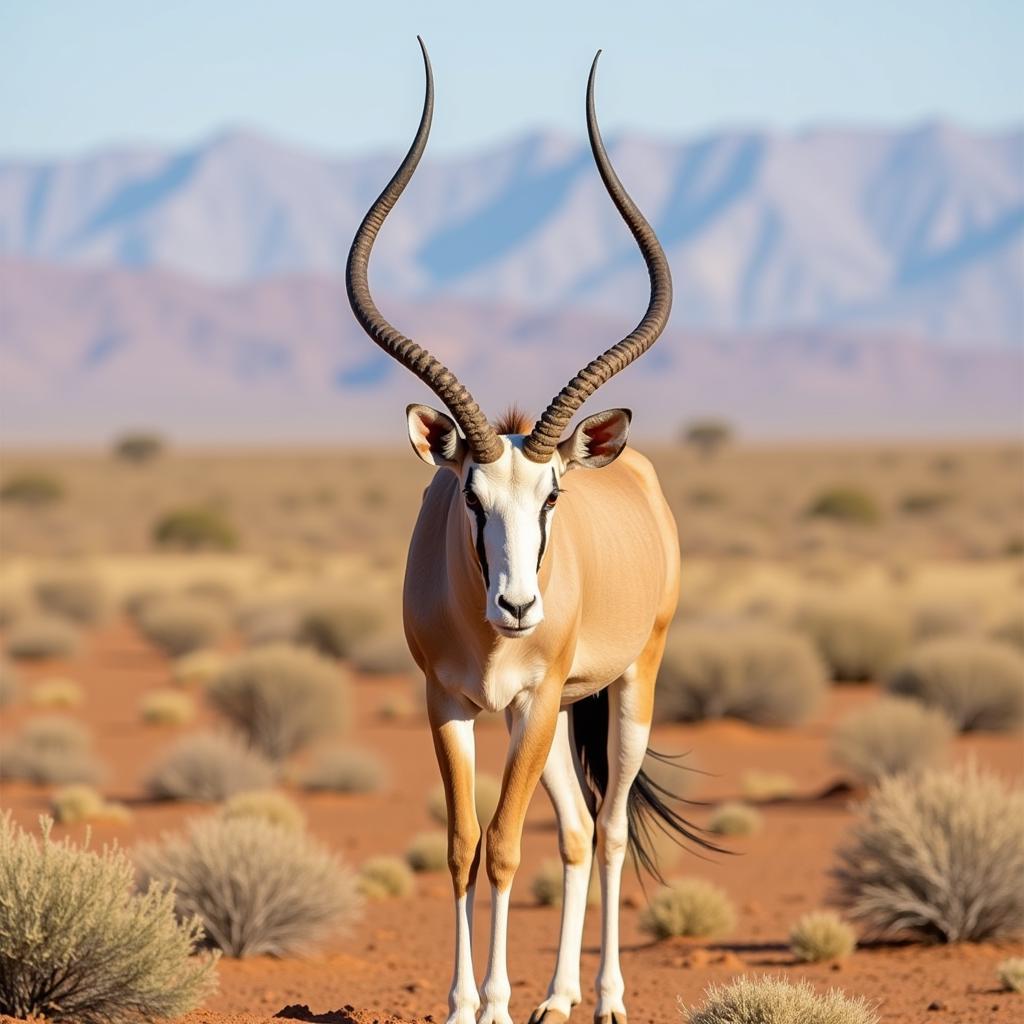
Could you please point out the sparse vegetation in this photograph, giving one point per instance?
(428, 852)
(1011, 631)
(281, 698)
(845, 504)
(939, 855)
(859, 641)
(83, 803)
(56, 694)
(708, 436)
(487, 792)
(75, 594)
(198, 668)
(180, 625)
(546, 885)
(37, 636)
(734, 819)
(196, 528)
(32, 488)
(382, 878)
(49, 750)
(1010, 973)
(344, 770)
(208, 766)
(269, 805)
(978, 684)
(920, 503)
(335, 626)
(891, 736)
(764, 786)
(80, 946)
(167, 707)
(770, 1000)
(822, 935)
(138, 447)
(690, 907)
(756, 674)
(384, 655)
(257, 888)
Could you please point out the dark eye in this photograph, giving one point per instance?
(472, 501)
(551, 499)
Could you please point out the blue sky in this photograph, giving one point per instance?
(345, 77)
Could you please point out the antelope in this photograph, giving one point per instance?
(548, 603)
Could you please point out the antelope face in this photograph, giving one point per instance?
(510, 503)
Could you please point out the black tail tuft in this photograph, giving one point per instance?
(650, 804)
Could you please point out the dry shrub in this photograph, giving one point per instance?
(344, 770)
(1010, 973)
(269, 805)
(382, 878)
(734, 819)
(208, 766)
(335, 626)
(821, 935)
(398, 707)
(891, 736)
(83, 803)
(939, 855)
(38, 636)
(270, 622)
(13, 604)
(74, 594)
(757, 674)
(139, 597)
(978, 684)
(81, 946)
(762, 786)
(768, 1000)
(167, 707)
(845, 504)
(180, 625)
(257, 888)
(10, 684)
(943, 617)
(690, 907)
(487, 792)
(281, 698)
(195, 528)
(56, 693)
(49, 750)
(32, 487)
(138, 447)
(384, 655)
(546, 885)
(428, 852)
(859, 641)
(198, 668)
(1011, 631)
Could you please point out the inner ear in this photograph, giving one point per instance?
(598, 440)
(435, 438)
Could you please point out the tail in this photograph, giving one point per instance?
(649, 803)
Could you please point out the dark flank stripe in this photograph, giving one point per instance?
(481, 518)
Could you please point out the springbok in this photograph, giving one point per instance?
(548, 603)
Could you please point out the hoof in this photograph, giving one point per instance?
(545, 1016)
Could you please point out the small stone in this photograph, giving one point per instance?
(630, 901)
(835, 966)
(936, 1005)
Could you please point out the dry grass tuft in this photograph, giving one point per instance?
(858, 641)
(198, 668)
(37, 636)
(688, 907)
(822, 935)
(978, 684)
(940, 855)
(762, 786)
(344, 770)
(167, 707)
(49, 750)
(768, 1000)
(75, 594)
(269, 805)
(546, 885)
(428, 852)
(257, 888)
(56, 694)
(81, 946)
(384, 655)
(180, 625)
(889, 737)
(845, 504)
(1010, 973)
(383, 878)
(336, 626)
(208, 767)
(83, 803)
(195, 528)
(487, 792)
(735, 819)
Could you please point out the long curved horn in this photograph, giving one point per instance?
(542, 442)
(484, 443)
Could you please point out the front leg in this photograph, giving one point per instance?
(533, 716)
(451, 725)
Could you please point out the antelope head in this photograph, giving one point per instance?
(511, 477)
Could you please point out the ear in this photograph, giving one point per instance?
(598, 440)
(435, 437)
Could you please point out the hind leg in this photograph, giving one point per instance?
(563, 782)
(630, 706)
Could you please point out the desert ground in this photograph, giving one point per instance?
(934, 540)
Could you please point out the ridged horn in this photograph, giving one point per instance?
(542, 442)
(483, 441)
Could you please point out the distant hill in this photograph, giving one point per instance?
(916, 232)
(86, 352)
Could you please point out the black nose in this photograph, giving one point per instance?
(518, 610)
